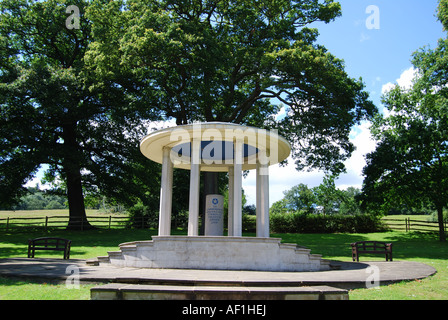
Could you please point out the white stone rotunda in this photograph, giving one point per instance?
(216, 147)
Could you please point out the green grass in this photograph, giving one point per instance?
(24, 289)
(410, 246)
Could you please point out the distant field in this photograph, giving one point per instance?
(50, 213)
(56, 218)
(421, 217)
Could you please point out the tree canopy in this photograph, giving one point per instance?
(79, 99)
(234, 61)
(53, 111)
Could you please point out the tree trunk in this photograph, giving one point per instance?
(442, 235)
(77, 212)
(72, 169)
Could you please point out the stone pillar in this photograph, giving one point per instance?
(237, 185)
(195, 171)
(166, 194)
(230, 203)
(262, 200)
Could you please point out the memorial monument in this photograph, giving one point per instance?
(216, 147)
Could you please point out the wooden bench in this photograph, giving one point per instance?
(375, 247)
(49, 244)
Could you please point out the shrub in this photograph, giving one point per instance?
(299, 222)
(140, 216)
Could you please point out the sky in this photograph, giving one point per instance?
(376, 39)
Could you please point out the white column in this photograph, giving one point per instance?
(237, 185)
(230, 203)
(262, 200)
(193, 215)
(258, 197)
(166, 194)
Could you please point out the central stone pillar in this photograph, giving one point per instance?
(214, 215)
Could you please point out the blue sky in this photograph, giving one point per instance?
(380, 56)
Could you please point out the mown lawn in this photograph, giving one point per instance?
(410, 246)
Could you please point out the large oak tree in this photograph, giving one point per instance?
(235, 61)
(54, 112)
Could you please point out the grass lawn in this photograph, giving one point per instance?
(411, 246)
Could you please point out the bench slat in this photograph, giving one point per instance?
(50, 244)
(374, 247)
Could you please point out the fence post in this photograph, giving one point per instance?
(46, 223)
(110, 218)
(7, 224)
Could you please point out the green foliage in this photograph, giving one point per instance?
(226, 61)
(324, 199)
(299, 197)
(141, 217)
(38, 200)
(54, 111)
(300, 222)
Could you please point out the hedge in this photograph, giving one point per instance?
(297, 222)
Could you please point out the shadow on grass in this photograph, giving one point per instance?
(409, 245)
(84, 243)
(406, 246)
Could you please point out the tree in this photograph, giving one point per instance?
(328, 197)
(351, 204)
(234, 61)
(54, 111)
(410, 163)
(300, 197)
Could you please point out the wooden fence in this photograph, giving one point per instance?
(56, 222)
(108, 222)
(407, 224)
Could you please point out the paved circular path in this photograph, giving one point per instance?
(350, 274)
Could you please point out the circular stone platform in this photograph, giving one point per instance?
(349, 275)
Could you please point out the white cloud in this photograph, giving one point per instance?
(362, 139)
(405, 81)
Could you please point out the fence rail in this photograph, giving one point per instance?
(110, 221)
(56, 222)
(406, 224)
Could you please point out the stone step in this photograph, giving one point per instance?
(124, 291)
(221, 253)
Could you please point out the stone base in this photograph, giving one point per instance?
(123, 291)
(216, 253)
